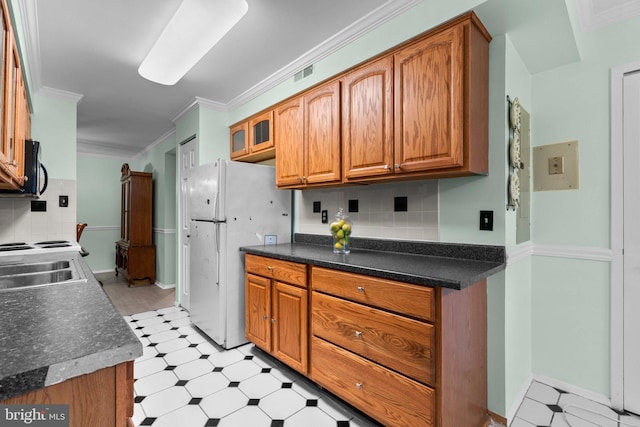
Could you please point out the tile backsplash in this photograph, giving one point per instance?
(376, 217)
(19, 224)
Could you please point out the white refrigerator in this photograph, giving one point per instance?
(231, 204)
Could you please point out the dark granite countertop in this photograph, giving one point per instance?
(447, 265)
(52, 333)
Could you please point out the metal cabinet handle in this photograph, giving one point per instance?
(396, 166)
(273, 320)
(270, 268)
(265, 317)
(358, 334)
(360, 289)
(387, 167)
(359, 386)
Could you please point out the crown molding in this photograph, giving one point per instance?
(59, 93)
(87, 148)
(198, 102)
(384, 13)
(29, 14)
(158, 141)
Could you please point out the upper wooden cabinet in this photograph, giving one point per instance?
(419, 110)
(15, 115)
(367, 120)
(439, 118)
(308, 131)
(253, 140)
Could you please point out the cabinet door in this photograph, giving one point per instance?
(289, 127)
(239, 135)
(261, 132)
(428, 99)
(258, 310)
(367, 120)
(322, 134)
(290, 341)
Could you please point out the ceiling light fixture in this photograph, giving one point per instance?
(194, 29)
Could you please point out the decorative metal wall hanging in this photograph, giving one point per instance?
(515, 162)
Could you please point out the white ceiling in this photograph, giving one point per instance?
(91, 49)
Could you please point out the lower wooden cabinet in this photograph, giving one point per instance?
(136, 263)
(100, 399)
(277, 312)
(406, 355)
(393, 399)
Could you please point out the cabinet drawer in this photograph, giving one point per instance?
(402, 344)
(285, 271)
(385, 395)
(403, 298)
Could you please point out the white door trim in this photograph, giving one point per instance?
(617, 229)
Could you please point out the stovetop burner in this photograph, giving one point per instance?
(4, 248)
(12, 244)
(57, 245)
(52, 242)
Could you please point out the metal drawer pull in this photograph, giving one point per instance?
(273, 320)
(265, 317)
(360, 288)
(270, 268)
(359, 386)
(358, 334)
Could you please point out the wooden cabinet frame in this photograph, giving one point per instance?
(15, 114)
(276, 312)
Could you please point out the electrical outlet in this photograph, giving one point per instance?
(38, 206)
(486, 220)
(400, 204)
(270, 239)
(63, 201)
(325, 217)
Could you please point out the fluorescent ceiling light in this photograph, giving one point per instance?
(194, 29)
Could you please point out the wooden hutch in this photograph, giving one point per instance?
(135, 251)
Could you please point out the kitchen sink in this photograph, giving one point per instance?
(34, 279)
(33, 267)
(31, 274)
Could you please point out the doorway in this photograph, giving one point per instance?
(625, 237)
(188, 160)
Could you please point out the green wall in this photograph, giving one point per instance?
(99, 207)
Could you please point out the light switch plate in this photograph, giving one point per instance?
(556, 167)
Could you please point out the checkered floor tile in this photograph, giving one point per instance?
(545, 406)
(183, 379)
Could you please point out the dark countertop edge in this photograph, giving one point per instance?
(34, 379)
(476, 252)
(418, 279)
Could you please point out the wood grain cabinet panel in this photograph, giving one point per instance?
(103, 398)
(393, 399)
(367, 120)
(308, 138)
(14, 107)
(252, 140)
(276, 313)
(407, 299)
(397, 342)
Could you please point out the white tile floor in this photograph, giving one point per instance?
(545, 406)
(182, 379)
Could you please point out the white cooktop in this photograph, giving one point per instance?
(49, 246)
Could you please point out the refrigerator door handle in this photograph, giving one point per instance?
(217, 243)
